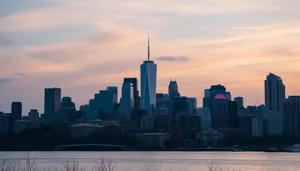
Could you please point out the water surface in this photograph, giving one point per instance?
(166, 161)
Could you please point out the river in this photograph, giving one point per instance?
(167, 161)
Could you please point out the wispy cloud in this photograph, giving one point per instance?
(172, 58)
(5, 80)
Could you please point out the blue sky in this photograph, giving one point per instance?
(84, 46)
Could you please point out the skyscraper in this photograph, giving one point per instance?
(173, 89)
(224, 113)
(52, 101)
(240, 102)
(148, 84)
(114, 90)
(67, 110)
(292, 116)
(16, 110)
(274, 93)
(209, 94)
(127, 100)
(134, 83)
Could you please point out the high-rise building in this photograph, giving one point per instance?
(16, 110)
(240, 102)
(103, 102)
(274, 93)
(206, 93)
(134, 83)
(162, 100)
(224, 113)
(173, 89)
(6, 123)
(148, 84)
(52, 101)
(181, 115)
(114, 90)
(205, 115)
(67, 110)
(33, 115)
(209, 94)
(127, 100)
(292, 116)
(193, 105)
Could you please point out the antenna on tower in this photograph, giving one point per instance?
(148, 48)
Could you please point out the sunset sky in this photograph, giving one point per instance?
(83, 46)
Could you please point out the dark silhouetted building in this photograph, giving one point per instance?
(162, 100)
(181, 116)
(16, 110)
(173, 89)
(193, 105)
(103, 102)
(114, 90)
(240, 102)
(6, 123)
(274, 93)
(224, 113)
(161, 120)
(212, 92)
(33, 115)
(292, 116)
(127, 100)
(51, 106)
(67, 110)
(134, 83)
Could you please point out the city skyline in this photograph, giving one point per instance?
(77, 50)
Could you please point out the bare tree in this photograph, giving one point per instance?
(104, 165)
(72, 166)
(29, 164)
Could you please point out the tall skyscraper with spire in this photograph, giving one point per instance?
(148, 83)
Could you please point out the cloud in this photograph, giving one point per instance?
(172, 58)
(5, 80)
(5, 40)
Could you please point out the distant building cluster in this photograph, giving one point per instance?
(159, 118)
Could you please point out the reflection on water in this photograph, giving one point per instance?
(166, 161)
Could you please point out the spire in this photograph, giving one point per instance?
(148, 48)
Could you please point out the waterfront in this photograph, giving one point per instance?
(166, 161)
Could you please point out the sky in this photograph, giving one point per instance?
(84, 46)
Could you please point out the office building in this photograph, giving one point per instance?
(52, 100)
(162, 100)
(193, 105)
(6, 123)
(205, 115)
(33, 115)
(214, 90)
(181, 116)
(114, 90)
(134, 83)
(292, 116)
(148, 84)
(67, 110)
(173, 89)
(240, 102)
(274, 93)
(16, 110)
(224, 113)
(103, 102)
(127, 100)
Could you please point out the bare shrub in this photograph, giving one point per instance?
(104, 165)
(72, 166)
